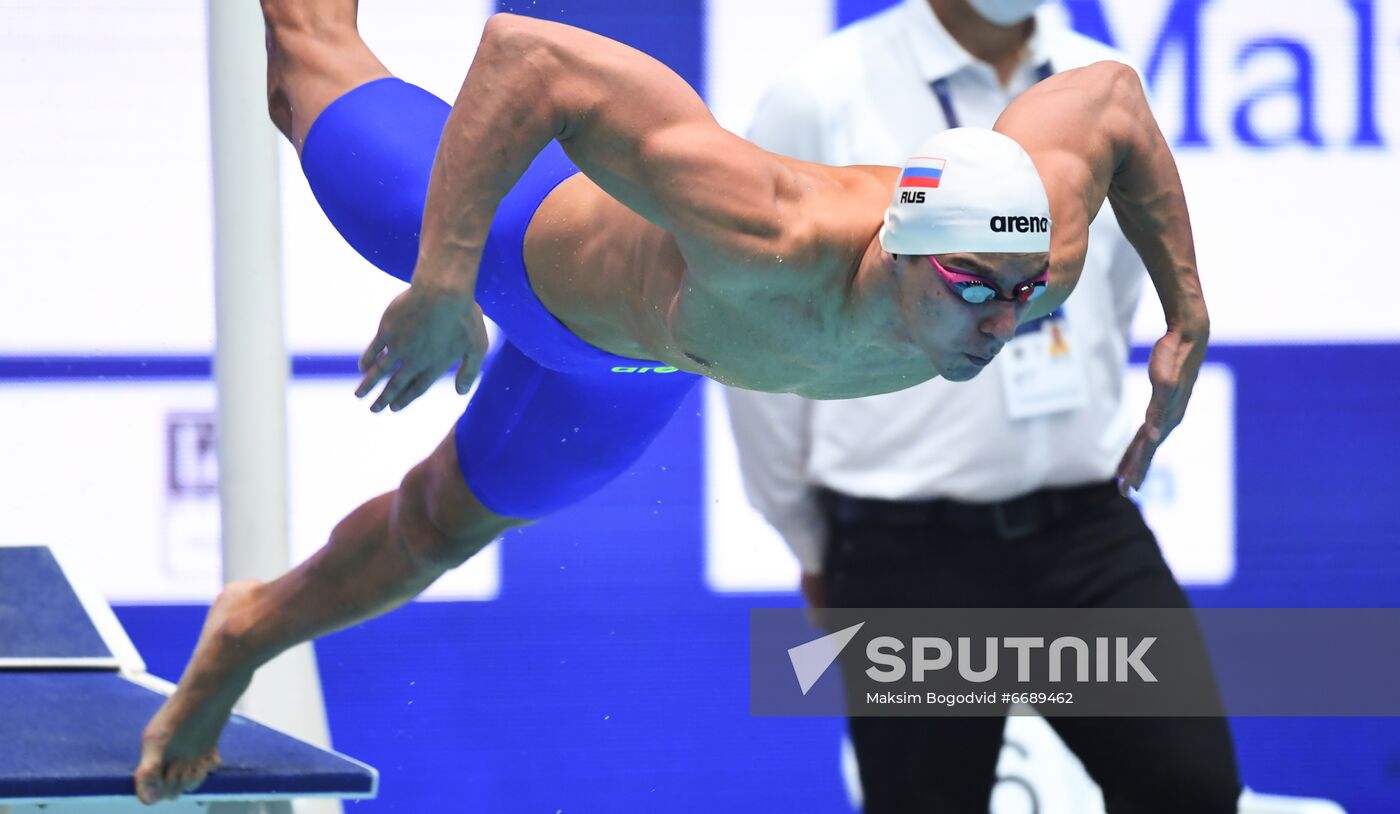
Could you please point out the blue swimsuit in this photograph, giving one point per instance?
(553, 418)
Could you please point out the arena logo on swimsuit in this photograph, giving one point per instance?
(662, 369)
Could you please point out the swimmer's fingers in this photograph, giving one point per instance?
(477, 344)
(382, 365)
(467, 373)
(398, 385)
(1132, 469)
(399, 398)
(422, 333)
(378, 359)
(392, 351)
(411, 391)
(1163, 413)
(377, 348)
(1173, 366)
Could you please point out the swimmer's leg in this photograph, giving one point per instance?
(314, 54)
(532, 441)
(380, 556)
(367, 140)
(371, 176)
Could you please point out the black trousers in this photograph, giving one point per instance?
(1085, 547)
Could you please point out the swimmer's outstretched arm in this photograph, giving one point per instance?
(630, 123)
(1093, 137)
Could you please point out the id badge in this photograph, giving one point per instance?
(1042, 371)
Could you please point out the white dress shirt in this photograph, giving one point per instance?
(864, 96)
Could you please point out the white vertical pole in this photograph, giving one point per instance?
(250, 359)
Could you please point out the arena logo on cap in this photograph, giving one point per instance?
(1019, 223)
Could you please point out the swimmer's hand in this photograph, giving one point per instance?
(1172, 368)
(423, 331)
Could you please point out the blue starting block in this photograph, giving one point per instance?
(75, 697)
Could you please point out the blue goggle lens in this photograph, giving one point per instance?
(1031, 292)
(975, 292)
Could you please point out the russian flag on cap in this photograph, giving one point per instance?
(922, 171)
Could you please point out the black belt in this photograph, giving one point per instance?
(1007, 519)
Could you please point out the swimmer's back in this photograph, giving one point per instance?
(626, 285)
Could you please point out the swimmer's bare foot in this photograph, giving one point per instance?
(180, 745)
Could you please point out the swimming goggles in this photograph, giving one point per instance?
(974, 289)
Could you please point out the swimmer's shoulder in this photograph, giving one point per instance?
(832, 197)
(829, 215)
(857, 192)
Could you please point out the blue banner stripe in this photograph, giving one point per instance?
(923, 172)
(154, 368)
(306, 366)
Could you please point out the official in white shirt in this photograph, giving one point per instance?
(995, 492)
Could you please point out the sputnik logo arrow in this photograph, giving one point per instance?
(811, 660)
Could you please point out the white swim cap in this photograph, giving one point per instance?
(968, 190)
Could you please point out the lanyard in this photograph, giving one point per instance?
(945, 95)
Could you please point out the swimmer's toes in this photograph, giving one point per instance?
(150, 786)
(192, 776)
(153, 790)
(147, 787)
